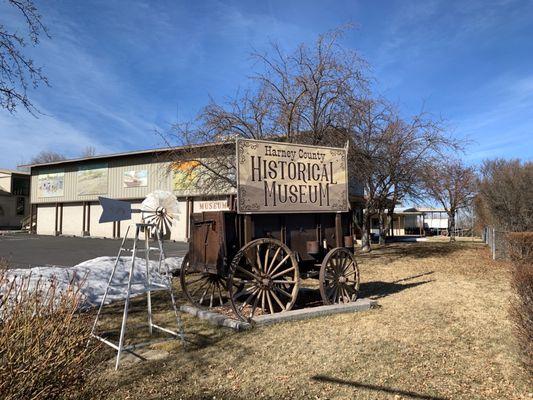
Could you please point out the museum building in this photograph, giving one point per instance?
(64, 194)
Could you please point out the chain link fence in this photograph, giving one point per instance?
(496, 239)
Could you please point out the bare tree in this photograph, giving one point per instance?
(89, 151)
(452, 185)
(505, 195)
(408, 144)
(298, 97)
(17, 71)
(368, 120)
(311, 88)
(386, 157)
(46, 156)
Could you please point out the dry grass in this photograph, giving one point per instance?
(43, 340)
(442, 331)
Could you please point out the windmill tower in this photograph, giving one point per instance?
(158, 211)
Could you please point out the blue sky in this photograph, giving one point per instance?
(119, 70)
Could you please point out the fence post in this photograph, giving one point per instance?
(493, 244)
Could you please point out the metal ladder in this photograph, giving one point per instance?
(149, 287)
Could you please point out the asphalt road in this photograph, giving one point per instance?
(24, 250)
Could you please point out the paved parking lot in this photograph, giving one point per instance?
(24, 250)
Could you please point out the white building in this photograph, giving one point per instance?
(415, 221)
(64, 194)
(14, 198)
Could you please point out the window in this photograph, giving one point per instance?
(21, 186)
(21, 206)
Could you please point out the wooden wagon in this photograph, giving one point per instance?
(256, 254)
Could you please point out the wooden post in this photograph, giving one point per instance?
(56, 219)
(61, 218)
(339, 239)
(31, 218)
(247, 228)
(83, 220)
(189, 212)
(88, 226)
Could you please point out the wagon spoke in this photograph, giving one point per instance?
(199, 287)
(196, 280)
(269, 302)
(282, 291)
(345, 294)
(282, 272)
(283, 281)
(335, 291)
(278, 300)
(345, 261)
(273, 259)
(241, 269)
(258, 257)
(280, 263)
(350, 273)
(255, 305)
(246, 291)
(203, 295)
(220, 294)
(212, 296)
(247, 299)
(265, 263)
(263, 299)
(339, 277)
(347, 267)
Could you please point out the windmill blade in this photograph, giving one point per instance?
(160, 209)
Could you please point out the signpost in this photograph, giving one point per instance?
(290, 178)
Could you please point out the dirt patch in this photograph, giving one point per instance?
(442, 332)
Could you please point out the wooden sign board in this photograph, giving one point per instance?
(210, 205)
(274, 177)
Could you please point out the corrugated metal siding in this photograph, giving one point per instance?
(157, 179)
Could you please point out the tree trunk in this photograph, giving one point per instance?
(382, 227)
(389, 223)
(451, 225)
(365, 233)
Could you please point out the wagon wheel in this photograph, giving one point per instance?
(263, 278)
(203, 289)
(339, 277)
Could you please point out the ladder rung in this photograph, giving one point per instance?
(153, 287)
(111, 344)
(150, 249)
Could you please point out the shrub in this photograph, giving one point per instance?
(43, 339)
(521, 253)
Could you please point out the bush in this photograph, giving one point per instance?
(521, 253)
(43, 340)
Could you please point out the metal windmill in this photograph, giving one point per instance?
(158, 210)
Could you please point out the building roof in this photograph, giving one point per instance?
(405, 210)
(12, 171)
(123, 154)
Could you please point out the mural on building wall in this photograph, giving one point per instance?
(193, 178)
(184, 177)
(135, 178)
(92, 179)
(51, 185)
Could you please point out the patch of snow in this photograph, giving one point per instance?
(93, 276)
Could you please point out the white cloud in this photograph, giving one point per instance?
(23, 135)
